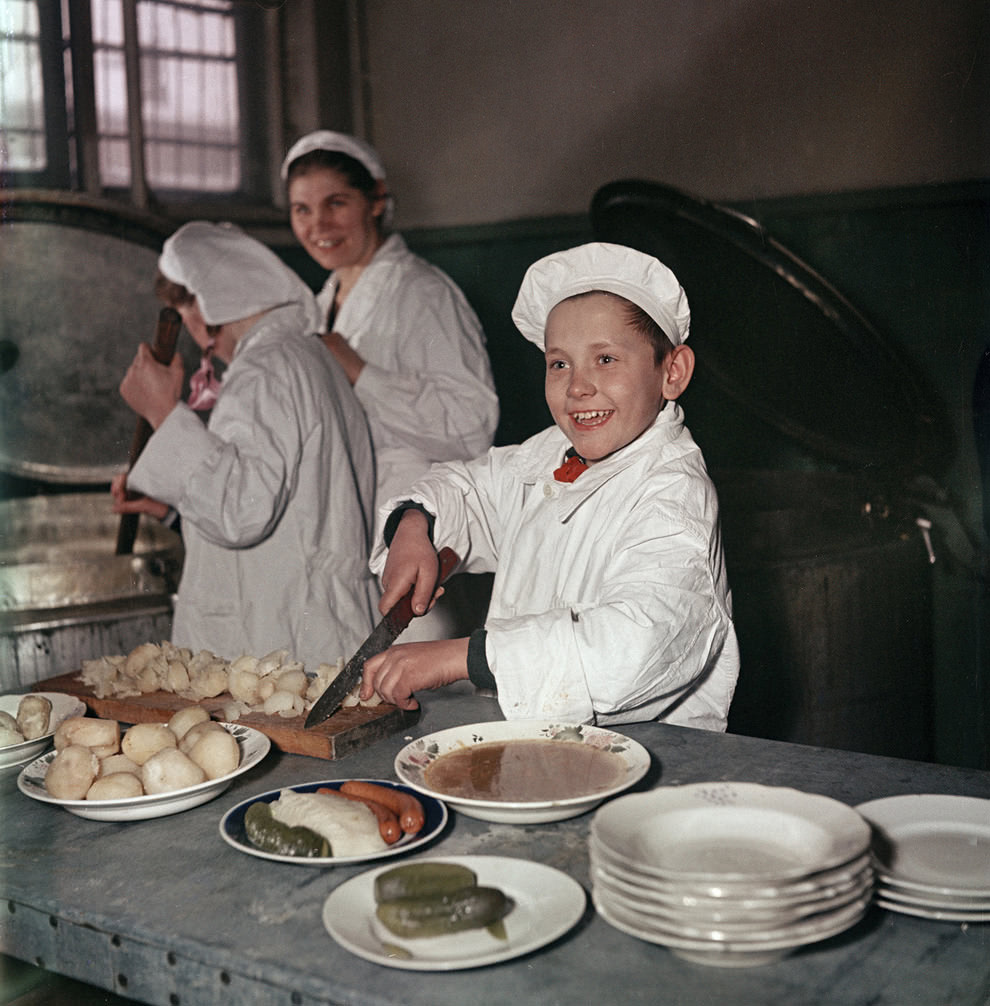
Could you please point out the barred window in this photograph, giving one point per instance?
(69, 67)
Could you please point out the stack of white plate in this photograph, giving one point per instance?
(932, 855)
(730, 874)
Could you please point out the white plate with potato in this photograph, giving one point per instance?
(26, 750)
(253, 746)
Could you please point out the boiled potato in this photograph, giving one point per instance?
(72, 772)
(192, 735)
(9, 733)
(186, 718)
(146, 739)
(101, 736)
(242, 684)
(34, 714)
(169, 769)
(118, 763)
(116, 786)
(216, 752)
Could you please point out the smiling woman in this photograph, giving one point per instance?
(403, 332)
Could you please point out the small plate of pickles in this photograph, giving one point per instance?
(516, 905)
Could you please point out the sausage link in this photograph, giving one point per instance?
(405, 805)
(388, 823)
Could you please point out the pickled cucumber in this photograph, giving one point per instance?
(264, 832)
(418, 879)
(442, 914)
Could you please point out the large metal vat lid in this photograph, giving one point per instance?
(776, 340)
(75, 301)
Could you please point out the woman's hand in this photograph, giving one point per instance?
(412, 561)
(410, 667)
(150, 388)
(143, 504)
(348, 358)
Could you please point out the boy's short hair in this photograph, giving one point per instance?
(638, 320)
(608, 268)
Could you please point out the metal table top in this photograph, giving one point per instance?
(163, 911)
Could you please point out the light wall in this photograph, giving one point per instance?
(495, 110)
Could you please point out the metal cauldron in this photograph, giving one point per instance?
(818, 434)
(76, 300)
(65, 597)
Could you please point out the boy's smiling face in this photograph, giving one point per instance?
(603, 384)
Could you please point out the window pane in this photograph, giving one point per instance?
(191, 107)
(22, 117)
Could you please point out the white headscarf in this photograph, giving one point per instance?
(638, 277)
(232, 275)
(342, 143)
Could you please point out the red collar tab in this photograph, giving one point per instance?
(571, 468)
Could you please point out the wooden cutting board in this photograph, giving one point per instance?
(347, 730)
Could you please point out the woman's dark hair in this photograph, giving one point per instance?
(170, 293)
(176, 295)
(357, 175)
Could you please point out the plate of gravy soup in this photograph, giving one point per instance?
(522, 771)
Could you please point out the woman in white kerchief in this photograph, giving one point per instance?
(404, 333)
(275, 491)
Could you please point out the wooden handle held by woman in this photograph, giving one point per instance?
(162, 349)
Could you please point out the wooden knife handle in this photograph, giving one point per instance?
(162, 349)
(401, 612)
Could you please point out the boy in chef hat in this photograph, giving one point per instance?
(610, 602)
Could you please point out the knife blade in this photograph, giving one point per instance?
(382, 637)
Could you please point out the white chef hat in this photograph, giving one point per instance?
(612, 268)
(232, 275)
(342, 143)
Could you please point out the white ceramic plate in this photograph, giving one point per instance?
(749, 890)
(934, 843)
(731, 954)
(233, 833)
(715, 913)
(547, 904)
(63, 706)
(254, 746)
(794, 932)
(413, 760)
(730, 831)
(942, 914)
(944, 902)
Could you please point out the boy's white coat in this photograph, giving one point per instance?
(610, 602)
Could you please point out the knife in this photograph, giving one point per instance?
(382, 637)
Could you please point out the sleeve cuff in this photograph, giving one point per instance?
(392, 523)
(479, 673)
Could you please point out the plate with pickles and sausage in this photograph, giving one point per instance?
(454, 912)
(334, 822)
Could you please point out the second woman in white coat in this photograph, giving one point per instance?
(408, 340)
